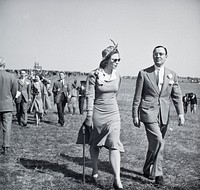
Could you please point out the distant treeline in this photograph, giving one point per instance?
(46, 73)
(49, 73)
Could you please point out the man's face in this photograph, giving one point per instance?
(23, 74)
(62, 76)
(159, 56)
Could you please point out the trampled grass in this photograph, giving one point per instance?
(47, 157)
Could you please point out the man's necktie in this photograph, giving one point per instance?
(157, 77)
(62, 81)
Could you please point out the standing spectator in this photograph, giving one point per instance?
(103, 113)
(193, 102)
(82, 96)
(156, 86)
(186, 101)
(46, 93)
(8, 84)
(37, 104)
(72, 104)
(22, 99)
(61, 91)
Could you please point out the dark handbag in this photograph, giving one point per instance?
(84, 130)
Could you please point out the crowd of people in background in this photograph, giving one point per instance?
(190, 99)
(35, 92)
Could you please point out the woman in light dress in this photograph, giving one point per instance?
(37, 104)
(103, 117)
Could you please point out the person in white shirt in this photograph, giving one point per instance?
(156, 86)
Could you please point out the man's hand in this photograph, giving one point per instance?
(181, 119)
(136, 122)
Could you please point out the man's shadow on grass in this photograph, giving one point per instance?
(105, 166)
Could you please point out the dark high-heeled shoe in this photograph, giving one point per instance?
(116, 187)
(94, 179)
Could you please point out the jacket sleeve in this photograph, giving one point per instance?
(90, 93)
(29, 90)
(54, 89)
(138, 94)
(14, 87)
(176, 96)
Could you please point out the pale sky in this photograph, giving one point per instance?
(69, 35)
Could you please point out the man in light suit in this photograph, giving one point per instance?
(156, 86)
(22, 98)
(61, 91)
(8, 84)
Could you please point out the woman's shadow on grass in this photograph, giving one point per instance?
(41, 166)
(104, 166)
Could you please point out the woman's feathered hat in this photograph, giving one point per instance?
(107, 53)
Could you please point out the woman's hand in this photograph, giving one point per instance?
(88, 121)
(136, 122)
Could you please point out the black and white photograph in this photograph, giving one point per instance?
(99, 94)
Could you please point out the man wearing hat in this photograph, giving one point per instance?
(8, 84)
(22, 98)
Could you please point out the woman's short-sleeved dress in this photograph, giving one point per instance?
(101, 98)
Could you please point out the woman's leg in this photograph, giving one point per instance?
(37, 118)
(115, 163)
(94, 153)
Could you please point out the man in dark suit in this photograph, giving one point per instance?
(193, 102)
(22, 98)
(8, 84)
(61, 91)
(156, 86)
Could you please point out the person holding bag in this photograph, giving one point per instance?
(103, 117)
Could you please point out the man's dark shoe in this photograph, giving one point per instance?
(5, 151)
(148, 176)
(159, 180)
(25, 125)
(62, 125)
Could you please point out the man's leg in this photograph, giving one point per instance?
(18, 109)
(155, 150)
(6, 121)
(60, 115)
(24, 113)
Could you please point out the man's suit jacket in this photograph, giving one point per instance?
(25, 89)
(149, 102)
(61, 92)
(8, 85)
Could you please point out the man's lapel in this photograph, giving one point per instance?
(20, 82)
(165, 79)
(152, 77)
(60, 84)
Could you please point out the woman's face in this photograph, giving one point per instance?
(114, 61)
(37, 78)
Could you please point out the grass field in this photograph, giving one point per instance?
(47, 157)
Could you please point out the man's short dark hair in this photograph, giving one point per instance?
(160, 47)
(61, 72)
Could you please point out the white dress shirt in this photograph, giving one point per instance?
(160, 70)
